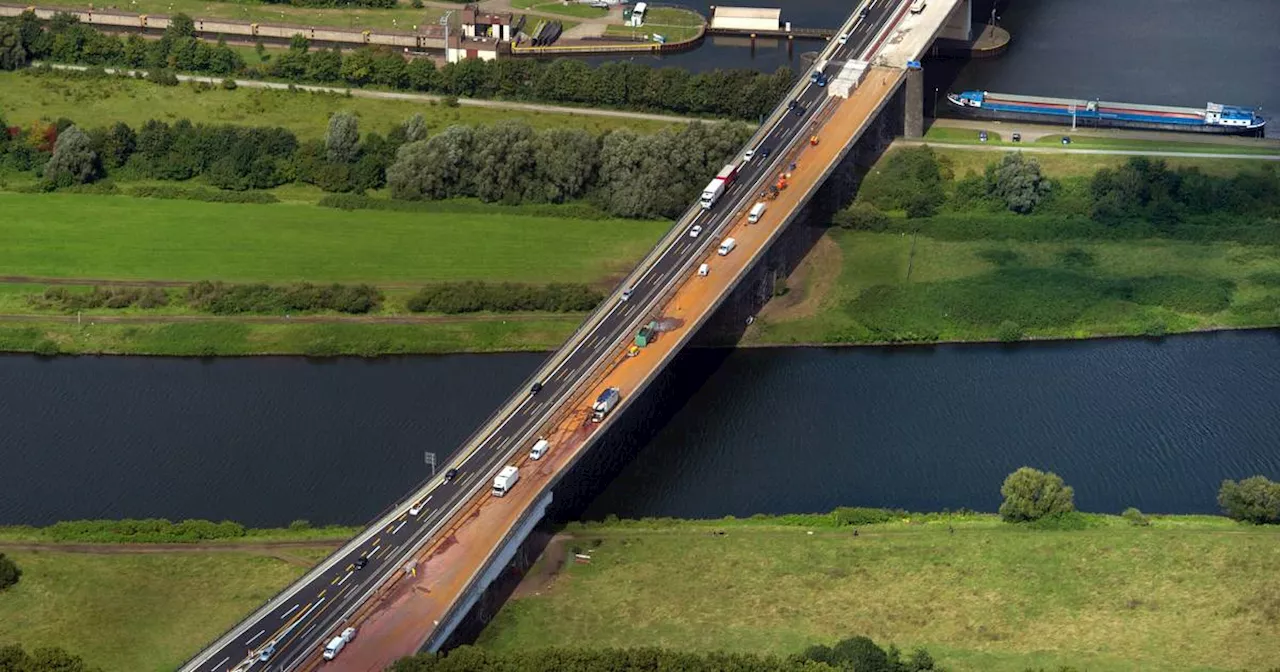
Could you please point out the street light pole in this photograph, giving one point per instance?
(444, 21)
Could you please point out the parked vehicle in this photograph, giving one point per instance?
(505, 480)
(704, 270)
(335, 645)
(756, 211)
(605, 403)
(539, 449)
(727, 246)
(918, 6)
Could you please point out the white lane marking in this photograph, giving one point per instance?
(344, 579)
(375, 550)
(399, 526)
(291, 610)
(220, 663)
(260, 633)
(309, 629)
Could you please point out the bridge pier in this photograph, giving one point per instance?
(913, 115)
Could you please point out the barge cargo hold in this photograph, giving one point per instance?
(1213, 118)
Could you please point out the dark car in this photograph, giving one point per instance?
(1066, 139)
(982, 136)
(361, 563)
(862, 13)
(450, 475)
(537, 387)
(798, 109)
(765, 152)
(1017, 137)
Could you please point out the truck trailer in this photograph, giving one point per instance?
(505, 480)
(605, 403)
(717, 186)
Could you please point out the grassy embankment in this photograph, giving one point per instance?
(967, 136)
(672, 23)
(861, 287)
(102, 102)
(403, 17)
(124, 238)
(1188, 593)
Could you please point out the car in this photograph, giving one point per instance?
(266, 652)
(797, 108)
(793, 104)
(697, 228)
(535, 388)
(626, 293)
(417, 507)
(844, 38)
(450, 475)
(1017, 137)
(982, 136)
(862, 13)
(1066, 139)
(765, 152)
(746, 156)
(822, 80)
(361, 563)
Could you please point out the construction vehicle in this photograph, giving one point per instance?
(813, 140)
(646, 334)
(605, 403)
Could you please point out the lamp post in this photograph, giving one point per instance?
(444, 21)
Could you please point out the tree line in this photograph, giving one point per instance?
(506, 297)
(859, 654)
(626, 174)
(1141, 198)
(738, 94)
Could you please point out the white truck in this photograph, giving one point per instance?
(717, 186)
(605, 403)
(335, 645)
(505, 480)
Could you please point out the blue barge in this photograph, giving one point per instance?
(1213, 118)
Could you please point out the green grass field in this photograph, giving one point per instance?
(1197, 594)
(402, 18)
(25, 99)
(968, 136)
(885, 286)
(120, 237)
(129, 612)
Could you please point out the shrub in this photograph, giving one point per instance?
(299, 525)
(1135, 517)
(201, 194)
(163, 77)
(471, 297)
(861, 217)
(147, 531)
(858, 515)
(9, 572)
(230, 299)
(1031, 494)
(229, 84)
(1254, 500)
(1016, 181)
(1009, 331)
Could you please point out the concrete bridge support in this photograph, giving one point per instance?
(959, 25)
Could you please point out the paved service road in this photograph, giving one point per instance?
(299, 621)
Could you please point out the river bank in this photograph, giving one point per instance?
(1185, 592)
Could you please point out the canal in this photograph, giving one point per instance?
(1152, 424)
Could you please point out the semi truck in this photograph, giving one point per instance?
(605, 403)
(505, 480)
(717, 186)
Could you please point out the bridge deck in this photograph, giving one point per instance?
(395, 626)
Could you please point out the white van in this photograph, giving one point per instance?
(727, 246)
(917, 6)
(756, 211)
(539, 449)
(335, 645)
(704, 270)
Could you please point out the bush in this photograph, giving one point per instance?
(1016, 181)
(299, 525)
(148, 531)
(907, 179)
(163, 77)
(1009, 331)
(201, 194)
(1031, 494)
(858, 515)
(9, 572)
(230, 299)
(1135, 517)
(472, 297)
(229, 84)
(577, 210)
(46, 659)
(1254, 500)
(861, 217)
(115, 298)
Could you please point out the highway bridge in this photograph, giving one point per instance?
(408, 579)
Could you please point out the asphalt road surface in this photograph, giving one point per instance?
(306, 617)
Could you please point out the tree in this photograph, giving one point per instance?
(1031, 494)
(415, 128)
(1254, 500)
(342, 140)
(1017, 181)
(73, 160)
(118, 145)
(9, 572)
(567, 160)
(14, 659)
(13, 51)
(180, 25)
(434, 168)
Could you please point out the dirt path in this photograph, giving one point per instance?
(554, 557)
(300, 319)
(810, 284)
(417, 97)
(274, 549)
(1031, 132)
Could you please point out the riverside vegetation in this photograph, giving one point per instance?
(1009, 250)
(1138, 247)
(1162, 592)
